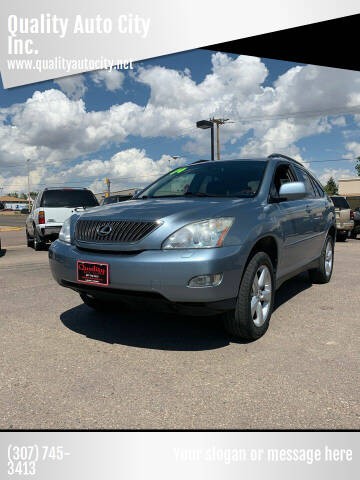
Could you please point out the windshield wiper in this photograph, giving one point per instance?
(200, 194)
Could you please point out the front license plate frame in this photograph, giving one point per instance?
(93, 273)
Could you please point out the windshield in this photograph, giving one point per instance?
(340, 202)
(68, 198)
(225, 179)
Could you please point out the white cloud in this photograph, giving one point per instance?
(111, 79)
(74, 86)
(336, 173)
(52, 127)
(126, 169)
(339, 121)
(354, 150)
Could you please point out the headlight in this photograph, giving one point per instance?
(65, 235)
(206, 234)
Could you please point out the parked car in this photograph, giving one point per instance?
(115, 199)
(356, 230)
(344, 217)
(208, 238)
(50, 209)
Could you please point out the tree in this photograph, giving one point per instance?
(331, 188)
(13, 194)
(357, 166)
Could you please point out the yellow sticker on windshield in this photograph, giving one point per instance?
(179, 170)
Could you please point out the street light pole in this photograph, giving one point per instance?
(205, 124)
(218, 121)
(28, 181)
(107, 193)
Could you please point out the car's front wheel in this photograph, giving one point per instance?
(255, 301)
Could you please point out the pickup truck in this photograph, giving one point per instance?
(344, 217)
(356, 230)
(50, 209)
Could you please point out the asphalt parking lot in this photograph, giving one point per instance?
(64, 366)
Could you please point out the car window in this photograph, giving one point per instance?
(68, 198)
(176, 186)
(317, 187)
(283, 174)
(304, 177)
(340, 202)
(216, 179)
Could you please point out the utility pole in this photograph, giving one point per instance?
(218, 121)
(28, 183)
(107, 193)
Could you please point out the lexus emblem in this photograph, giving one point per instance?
(104, 229)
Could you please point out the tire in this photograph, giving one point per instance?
(96, 303)
(323, 273)
(29, 240)
(38, 242)
(353, 234)
(341, 237)
(243, 322)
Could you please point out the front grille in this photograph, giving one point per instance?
(121, 231)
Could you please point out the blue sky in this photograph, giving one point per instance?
(127, 125)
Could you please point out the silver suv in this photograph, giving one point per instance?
(207, 238)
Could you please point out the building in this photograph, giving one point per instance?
(13, 203)
(350, 188)
(129, 191)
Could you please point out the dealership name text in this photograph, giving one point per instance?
(51, 24)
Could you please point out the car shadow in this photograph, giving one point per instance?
(144, 329)
(291, 288)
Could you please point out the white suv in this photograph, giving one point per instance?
(50, 209)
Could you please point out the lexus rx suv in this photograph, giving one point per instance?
(209, 238)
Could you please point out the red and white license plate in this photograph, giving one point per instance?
(94, 273)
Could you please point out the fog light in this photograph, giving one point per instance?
(212, 280)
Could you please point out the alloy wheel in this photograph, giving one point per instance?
(261, 294)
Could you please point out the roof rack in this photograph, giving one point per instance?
(277, 155)
(198, 161)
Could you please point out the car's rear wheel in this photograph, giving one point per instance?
(353, 234)
(255, 301)
(29, 240)
(38, 242)
(342, 237)
(323, 273)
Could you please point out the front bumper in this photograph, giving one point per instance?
(165, 273)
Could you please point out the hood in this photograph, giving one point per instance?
(172, 214)
(182, 209)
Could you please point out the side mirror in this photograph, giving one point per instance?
(292, 191)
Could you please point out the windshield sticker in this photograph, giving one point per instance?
(179, 170)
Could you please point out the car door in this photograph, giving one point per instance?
(292, 221)
(314, 225)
